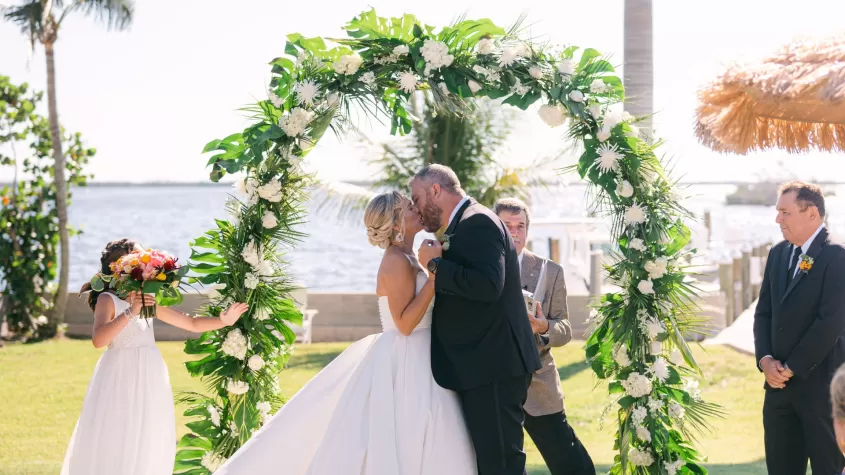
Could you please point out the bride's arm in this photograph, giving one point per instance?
(200, 324)
(106, 324)
(398, 279)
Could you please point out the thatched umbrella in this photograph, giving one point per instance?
(793, 100)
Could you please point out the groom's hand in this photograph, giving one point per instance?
(776, 374)
(429, 249)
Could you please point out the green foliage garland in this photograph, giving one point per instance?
(638, 339)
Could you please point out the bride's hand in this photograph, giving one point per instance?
(233, 313)
(135, 302)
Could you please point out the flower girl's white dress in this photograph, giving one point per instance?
(374, 410)
(127, 425)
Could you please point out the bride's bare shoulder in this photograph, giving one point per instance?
(394, 261)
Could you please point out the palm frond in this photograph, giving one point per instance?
(27, 17)
(116, 14)
(340, 200)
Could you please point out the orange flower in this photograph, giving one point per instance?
(806, 263)
(5, 201)
(145, 258)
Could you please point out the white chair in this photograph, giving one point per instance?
(303, 333)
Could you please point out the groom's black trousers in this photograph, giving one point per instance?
(494, 417)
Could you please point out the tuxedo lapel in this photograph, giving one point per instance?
(451, 228)
(815, 249)
(530, 271)
(780, 273)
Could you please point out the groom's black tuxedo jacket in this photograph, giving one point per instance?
(480, 329)
(801, 321)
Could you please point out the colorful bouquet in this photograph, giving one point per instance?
(153, 273)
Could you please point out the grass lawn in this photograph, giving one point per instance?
(42, 387)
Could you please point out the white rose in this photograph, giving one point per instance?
(598, 86)
(637, 244)
(566, 66)
(474, 86)
(676, 357)
(624, 189)
(269, 220)
(638, 415)
(576, 96)
(251, 281)
(368, 78)
(237, 387)
(643, 434)
(486, 46)
(676, 411)
(603, 134)
(255, 362)
(620, 355)
(401, 50)
(656, 348)
(348, 65)
(553, 116)
(645, 287)
(535, 72)
(271, 191)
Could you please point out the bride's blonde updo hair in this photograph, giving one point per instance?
(383, 213)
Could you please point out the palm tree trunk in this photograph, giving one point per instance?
(60, 302)
(639, 61)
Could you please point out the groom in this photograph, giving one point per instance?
(482, 345)
(798, 335)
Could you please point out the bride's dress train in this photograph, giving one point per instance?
(374, 410)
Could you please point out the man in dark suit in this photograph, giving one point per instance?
(545, 416)
(798, 336)
(482, 345)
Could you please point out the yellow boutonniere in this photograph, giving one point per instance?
(805, 263)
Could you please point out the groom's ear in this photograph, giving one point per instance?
(435, 190)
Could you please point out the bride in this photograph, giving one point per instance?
(375, 409)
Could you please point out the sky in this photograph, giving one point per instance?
(151, 97)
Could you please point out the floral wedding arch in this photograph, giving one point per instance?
(637, 334)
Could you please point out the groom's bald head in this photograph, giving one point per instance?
(434, 189)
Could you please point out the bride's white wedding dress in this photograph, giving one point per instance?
(127, 425)
(374, 410)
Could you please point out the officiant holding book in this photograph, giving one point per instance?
(545, 415)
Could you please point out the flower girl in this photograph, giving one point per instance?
(127, 425)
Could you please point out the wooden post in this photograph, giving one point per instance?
(746, 278)
(726, 285)
(554, 250)
(736, 265)
(757, 270)
(596, 271)
(708, 223)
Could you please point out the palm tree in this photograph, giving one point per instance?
(41, 21)
(467, 143)
(639, 61)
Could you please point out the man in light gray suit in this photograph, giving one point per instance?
(545, 416)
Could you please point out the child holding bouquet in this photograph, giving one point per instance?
(127, 425)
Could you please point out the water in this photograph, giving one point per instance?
(336, 256)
